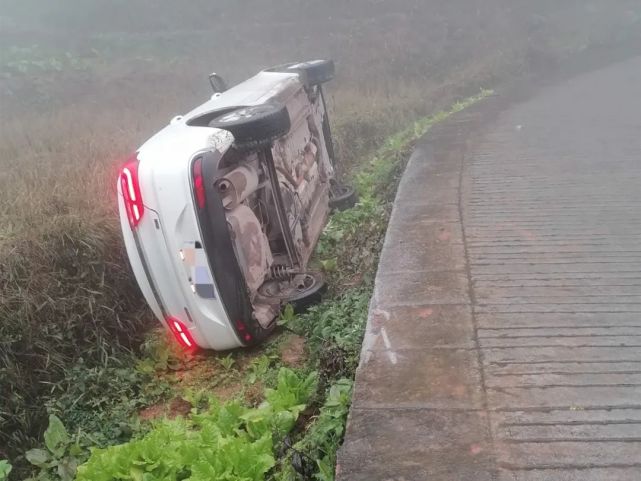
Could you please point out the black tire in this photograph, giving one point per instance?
(312, 72)
(256, 125)
(309, 293)
(310, 296)
(342, 197)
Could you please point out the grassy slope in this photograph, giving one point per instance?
(84, 97)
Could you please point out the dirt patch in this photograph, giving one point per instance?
(255, 394)
(292, 351)
(201, 370)
(227, 391)
(205, 373)
(153, 412)
(177, 407)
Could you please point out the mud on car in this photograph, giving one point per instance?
(221, 209)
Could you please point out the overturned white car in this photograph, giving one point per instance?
(221, 210)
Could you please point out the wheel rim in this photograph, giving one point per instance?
(305, 284)
(300, 285)
(234, 116)
(244, 113)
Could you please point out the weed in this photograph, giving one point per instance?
(227, 362)
(287, 315)
(258, 369)
(62, 455)
(351, 241)
(334, 331)
(5, 469)
(314, 456)
(160, 353)
(103, 402)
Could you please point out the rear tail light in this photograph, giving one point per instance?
(131, 191)
(199, 182)
(181, 333)
(242, 331)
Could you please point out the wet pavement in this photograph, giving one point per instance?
(504, 339)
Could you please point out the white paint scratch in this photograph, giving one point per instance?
(388, 346)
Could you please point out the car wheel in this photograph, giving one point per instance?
(301, 291)
(256, 125)
(342, 197)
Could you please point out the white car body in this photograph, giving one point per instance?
(166, 247)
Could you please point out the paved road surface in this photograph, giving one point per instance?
(504, 340)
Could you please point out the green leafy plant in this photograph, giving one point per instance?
(258, 369)
(325, 435)
(212, 447)
(287, 315)
(227, 362)
(225, 441)
(5, 469)
(160, 353)
(62, 455)
(314, 455)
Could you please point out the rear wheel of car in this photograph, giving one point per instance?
(255, 126)
(301, 291)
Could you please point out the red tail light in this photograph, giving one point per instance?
(199, 182)
(181, 333)
(242, 330)
(131, 191)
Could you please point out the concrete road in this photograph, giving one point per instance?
(504, 339)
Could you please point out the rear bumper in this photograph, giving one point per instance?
(221, 257)
(166, 286)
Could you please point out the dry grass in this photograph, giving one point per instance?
(66, 291)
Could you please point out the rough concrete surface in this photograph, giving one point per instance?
(504, 338)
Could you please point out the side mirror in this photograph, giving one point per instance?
(217, 83)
